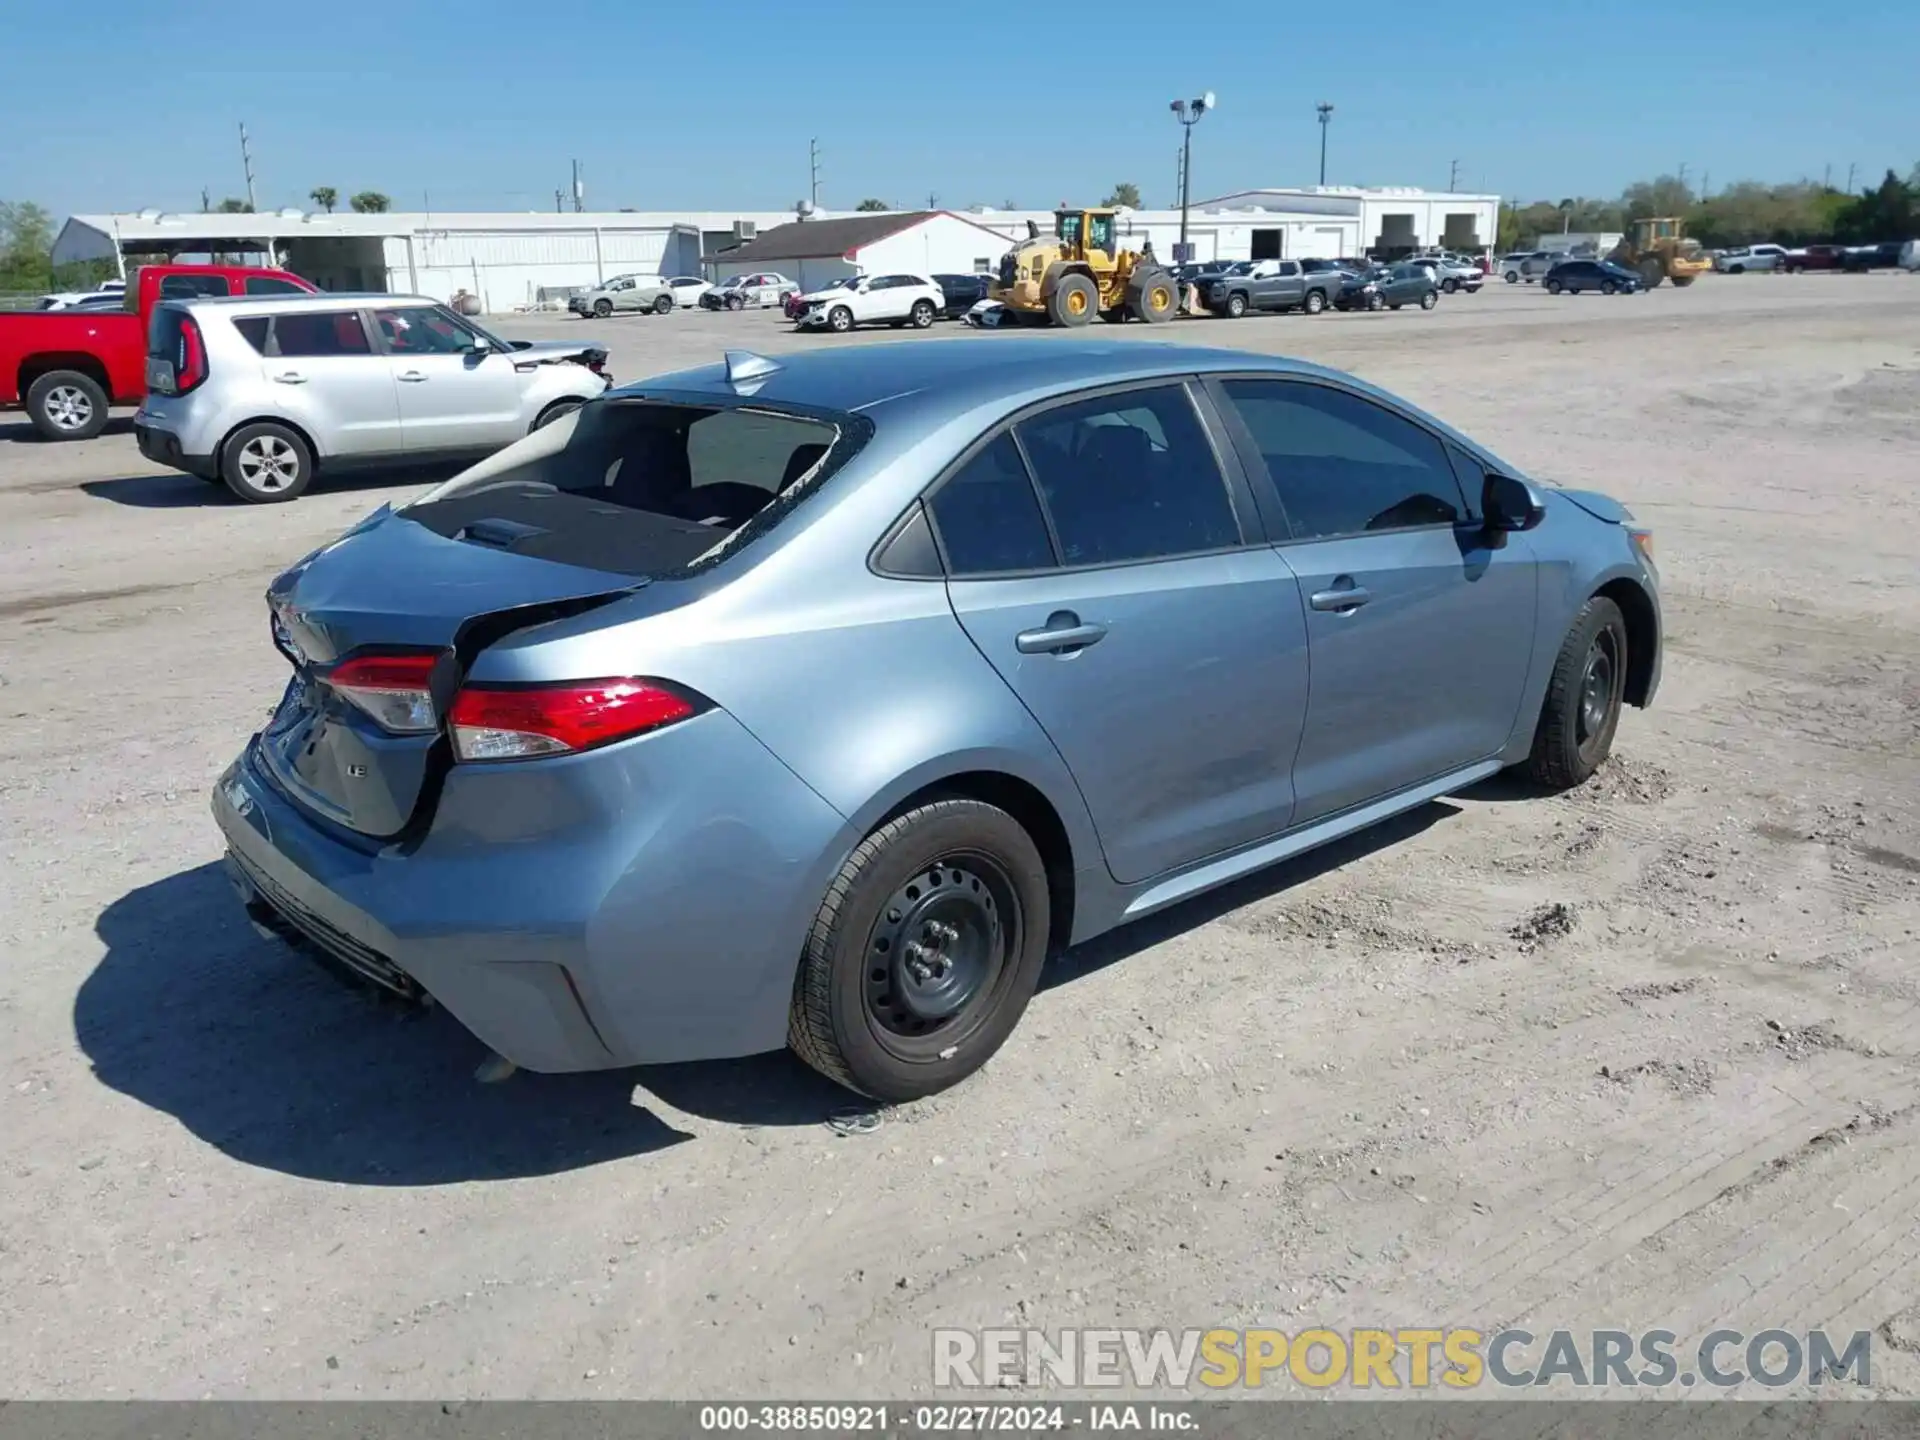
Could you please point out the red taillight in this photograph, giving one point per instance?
(518, 722)
(395, 691)
(190, 362)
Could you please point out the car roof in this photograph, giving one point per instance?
(323, 300)
(944, 379)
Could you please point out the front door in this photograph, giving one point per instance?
(1419, 631)
(456, 392)
(1110, 587)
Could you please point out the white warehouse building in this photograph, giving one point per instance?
(814, 252)
(510, 261)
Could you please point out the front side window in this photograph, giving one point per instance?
(987, 517)
(422, 330)
(1130, 477)
(1344, 465)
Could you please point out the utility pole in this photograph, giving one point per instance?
(1850, 170)
(1683, 178)
(206, 202)
(1706, 184)
(813, 173)
(559, 198)
(1453, 176)
(1826, 177)
(1325, 111)
(246, 163)
(1180, 171)
(579, 193)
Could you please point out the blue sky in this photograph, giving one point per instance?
(483, 105)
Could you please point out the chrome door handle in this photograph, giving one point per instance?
(1062, 634)
(1351, 598)
(292, 377)
(413, 377)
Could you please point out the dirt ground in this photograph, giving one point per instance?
(1641, 1056)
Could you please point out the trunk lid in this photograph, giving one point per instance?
(389, 585)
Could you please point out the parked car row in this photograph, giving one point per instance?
(656, 294)
(1316, 285)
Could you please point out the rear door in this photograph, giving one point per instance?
(328, 374)
(1110, 569)
(1419, 632)
(456, 393)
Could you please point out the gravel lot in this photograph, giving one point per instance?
(1644, 1055)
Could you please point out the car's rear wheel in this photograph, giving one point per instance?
(1581, 711)
(602, 309)
(1429, 300)
(922, 314)
(925, 952)
(266, 463)
(67, 405)
(662, 304)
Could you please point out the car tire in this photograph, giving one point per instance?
(1315, 302)
(1429, 300)
(840, 319)
(1607, 287)
(1074, 302)
(1511, 277)
(1585, 690)
(924, 953)
(662, 304)
(1553, 287)
(554, 411)
(1374, 302)
(602, 309)
(736, 302)
(921, 315)
(1236, 305)
(67, 405)
(1396, 304)
(1736, 269)
(1450, 286)
(265, 463)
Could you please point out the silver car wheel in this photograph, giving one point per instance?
(69, 408)
(268, 463)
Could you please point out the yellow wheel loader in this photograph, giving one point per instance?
(1660, 250)
(1077, 273)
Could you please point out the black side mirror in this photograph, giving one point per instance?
(1509, 504)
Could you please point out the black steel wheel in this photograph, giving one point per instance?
(1581, 711)
(925, 952)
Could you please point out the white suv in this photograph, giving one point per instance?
(873, 300)
(260, 393)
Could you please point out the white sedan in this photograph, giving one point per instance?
(872, 300)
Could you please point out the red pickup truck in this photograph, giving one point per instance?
(68, 366)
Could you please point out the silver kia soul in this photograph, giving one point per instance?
(817, 701)
(263, 393)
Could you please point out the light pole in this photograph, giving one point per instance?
(1325, 109)
(1188, 113)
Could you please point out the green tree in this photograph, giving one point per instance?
(1125, 193)
(231, 206)
(1884, 213)
(1662, 196)
(26, 246)
(325, 196)
(869, 205)
(371, 202)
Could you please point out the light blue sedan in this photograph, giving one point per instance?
(818, 701)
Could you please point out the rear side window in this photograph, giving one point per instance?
(988, 518)
(272, 285)
(1344, 465)
(253, 329)
(319, 333)
(192, 287)
(1130, 477)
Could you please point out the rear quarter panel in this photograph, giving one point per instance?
(111, 345)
